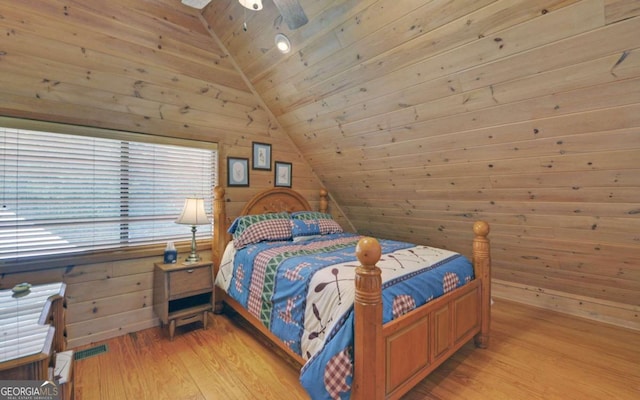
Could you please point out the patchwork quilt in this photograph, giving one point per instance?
(304, 291)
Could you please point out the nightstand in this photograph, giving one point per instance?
(182, 293)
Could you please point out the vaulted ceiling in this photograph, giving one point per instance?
(419, 117)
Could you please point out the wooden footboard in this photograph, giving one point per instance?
(389, 359)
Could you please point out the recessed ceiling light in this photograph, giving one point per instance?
(282, 43)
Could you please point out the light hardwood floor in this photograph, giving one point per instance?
(534, 354)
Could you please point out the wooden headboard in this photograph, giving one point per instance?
(276, 200)
(268, 201)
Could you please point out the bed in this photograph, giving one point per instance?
(388, 352)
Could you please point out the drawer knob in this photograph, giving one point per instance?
(190, 271)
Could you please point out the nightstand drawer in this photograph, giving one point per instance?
(189, 280)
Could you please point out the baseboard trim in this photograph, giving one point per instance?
(619, 314)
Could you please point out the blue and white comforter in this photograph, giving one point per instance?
(303, 292)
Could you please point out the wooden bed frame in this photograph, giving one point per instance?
(392, 358)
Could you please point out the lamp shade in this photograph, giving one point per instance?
(193, 212)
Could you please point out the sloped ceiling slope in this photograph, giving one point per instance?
(423, 116)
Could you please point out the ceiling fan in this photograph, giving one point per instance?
(290, 10)
(292, 13)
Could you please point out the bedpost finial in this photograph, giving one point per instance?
(368, 251)
(324, 201)
(218, 192)
(481, 228)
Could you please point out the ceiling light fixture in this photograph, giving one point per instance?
(254, 5)
(199, 4)
(290, 10)
(282, 43)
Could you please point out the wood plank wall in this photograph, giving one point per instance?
(144, 66)
(421, 117)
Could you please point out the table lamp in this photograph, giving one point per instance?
(193, 214)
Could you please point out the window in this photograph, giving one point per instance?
(95, 189)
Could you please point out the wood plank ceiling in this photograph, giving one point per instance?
(419, 117)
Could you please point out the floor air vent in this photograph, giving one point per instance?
(93, 351)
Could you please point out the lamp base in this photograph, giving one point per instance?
(192, 258)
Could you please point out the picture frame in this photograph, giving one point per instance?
(237, 171)
(283, 174)
(261, 155)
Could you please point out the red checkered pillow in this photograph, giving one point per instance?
(250, 229)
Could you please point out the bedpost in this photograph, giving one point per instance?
(324, 202)
(482, 270)
(368, 378)
(219, 241)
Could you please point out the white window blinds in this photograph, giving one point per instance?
(62, 193)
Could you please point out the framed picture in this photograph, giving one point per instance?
(282, 174)
(237, 171)
(261, 156)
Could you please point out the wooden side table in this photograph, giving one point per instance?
(31, 331)
(183, 293)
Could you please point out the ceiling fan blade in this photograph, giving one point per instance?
(292, 13)
(199, 4)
